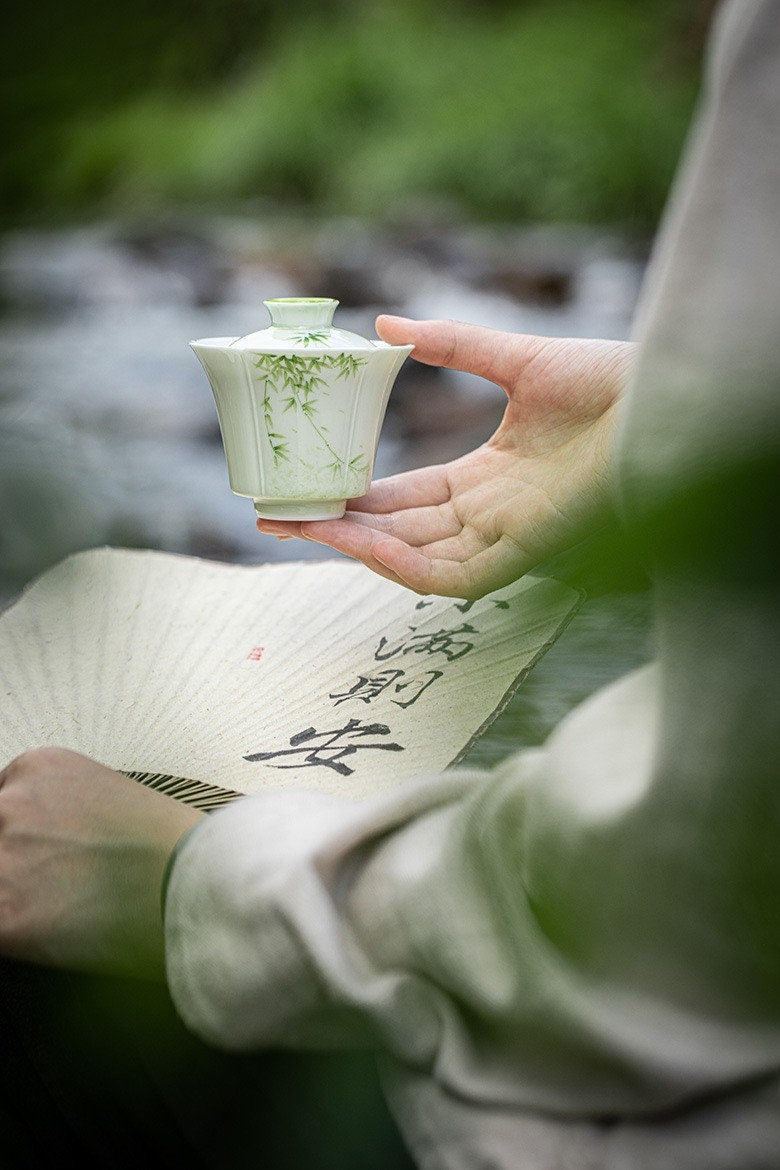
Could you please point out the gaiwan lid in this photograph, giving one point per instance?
(303, 323)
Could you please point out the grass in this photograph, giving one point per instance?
(543, 111)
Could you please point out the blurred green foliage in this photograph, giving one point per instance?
(539, 110)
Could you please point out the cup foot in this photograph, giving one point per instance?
(300, 509)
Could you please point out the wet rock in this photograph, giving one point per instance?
(212, 545)
(535, 285)
(56, 272)
(430, 228)
(190, 254)
(355, 284)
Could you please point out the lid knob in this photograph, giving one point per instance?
(301, 312)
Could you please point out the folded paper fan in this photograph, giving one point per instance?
(210, 680)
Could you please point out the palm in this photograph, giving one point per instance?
(538, 485)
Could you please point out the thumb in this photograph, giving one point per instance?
(488, 353)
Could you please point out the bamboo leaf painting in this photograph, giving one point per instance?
(294, 381)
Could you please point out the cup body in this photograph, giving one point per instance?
(300, 429)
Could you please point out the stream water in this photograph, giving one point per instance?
(108, 433)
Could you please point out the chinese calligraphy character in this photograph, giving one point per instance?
(332, 748)
(367, 687)
(465, 606)
(440, 642)
(434, 674)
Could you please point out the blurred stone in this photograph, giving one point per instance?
(429, 407)
(190, 254)
(212, 545)
(59, 271)
(542, 285)
(354, 284)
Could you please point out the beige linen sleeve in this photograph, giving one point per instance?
(592, 927)
(512, 934)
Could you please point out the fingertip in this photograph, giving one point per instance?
(394, 319)
(281, 529)
(394, 329)
(384, 548)
(305, 532)
(396, 556)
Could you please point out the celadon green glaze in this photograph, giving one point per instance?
(300, 408)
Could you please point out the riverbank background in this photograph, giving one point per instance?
(169, 166)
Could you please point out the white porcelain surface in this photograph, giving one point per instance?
(300, 407)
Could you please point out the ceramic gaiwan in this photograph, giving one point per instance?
(300, 408)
